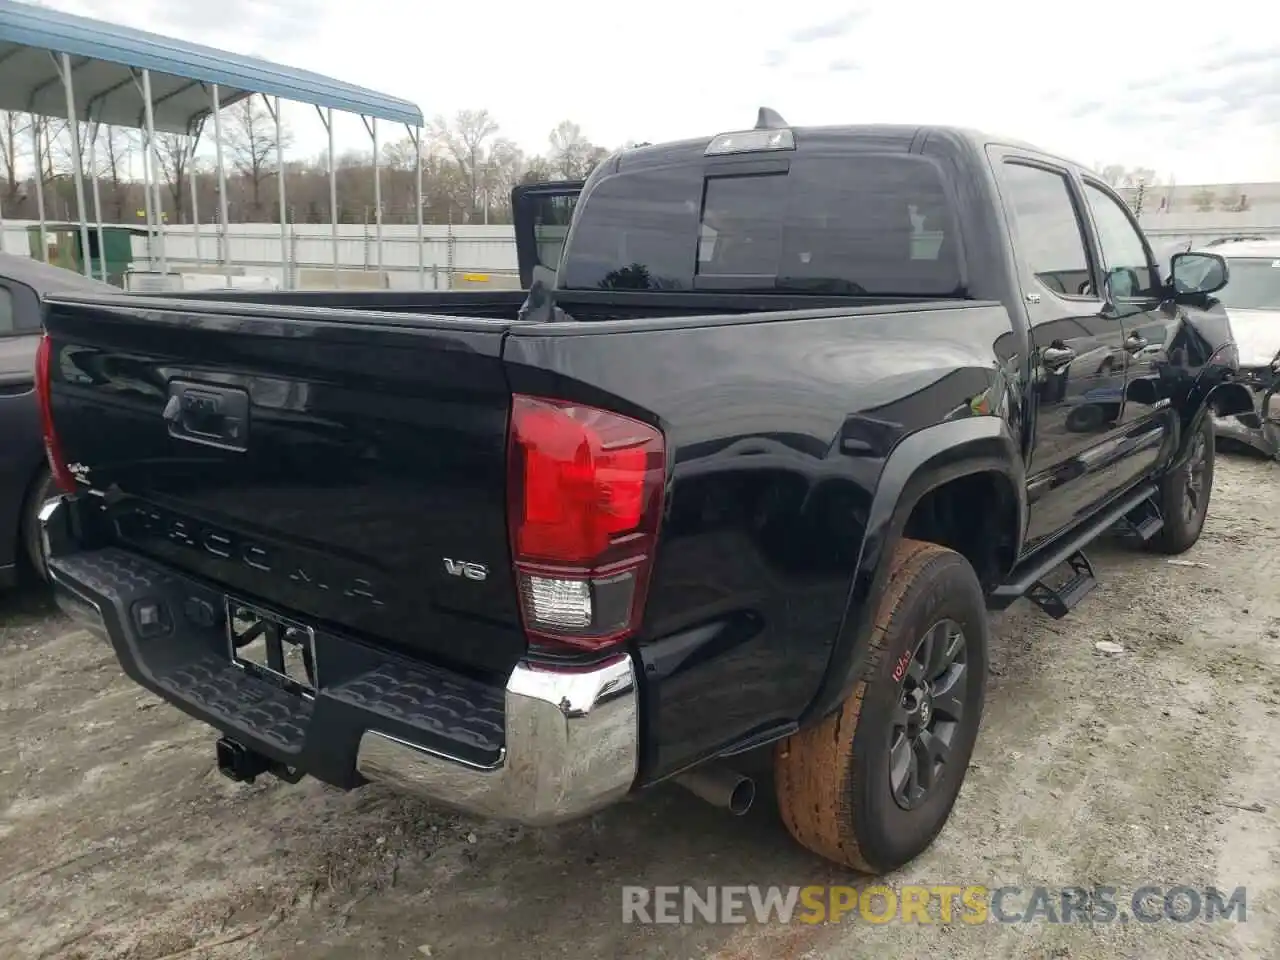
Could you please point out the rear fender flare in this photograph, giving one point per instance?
(921, 462)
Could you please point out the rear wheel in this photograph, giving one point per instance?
(1184, 495)
(41, 490)
(873, 784)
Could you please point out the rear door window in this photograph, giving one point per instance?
(874, 225)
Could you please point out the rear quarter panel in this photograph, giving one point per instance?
(21, 449)
(776, 431)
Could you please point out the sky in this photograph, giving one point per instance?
(1190, 90)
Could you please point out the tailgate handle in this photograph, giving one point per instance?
(208, 414)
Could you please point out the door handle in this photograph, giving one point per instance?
(1055, 358)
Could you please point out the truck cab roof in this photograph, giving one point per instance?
(841, 137)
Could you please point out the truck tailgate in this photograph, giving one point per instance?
(347, 466)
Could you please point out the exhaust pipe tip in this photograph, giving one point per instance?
(742, 797)
(720, 787)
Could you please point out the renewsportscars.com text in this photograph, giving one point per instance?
(938, 904)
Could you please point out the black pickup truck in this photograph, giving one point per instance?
(795, 408)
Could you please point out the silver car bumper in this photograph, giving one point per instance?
(1260, 429)
(572, 748)
(571, 736)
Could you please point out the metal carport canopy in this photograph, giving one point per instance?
(56, 64)
(106, 58)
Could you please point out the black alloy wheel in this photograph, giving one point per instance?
(931, 707)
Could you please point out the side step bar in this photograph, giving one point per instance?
(1144, 521)
(1058, 601)
(1028, 580)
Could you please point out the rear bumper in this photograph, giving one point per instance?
(553, 745)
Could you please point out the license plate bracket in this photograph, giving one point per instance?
(273, 647)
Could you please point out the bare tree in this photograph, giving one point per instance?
(503, 164)
(117, 145)
(175, 152)
(1113, 174)
(1117, 175)
(466, 140)
(468, 170)
(52, 149)
(1141, 175)
(572, 155)
(251, 135)
(63, 156)
(398, 155)
(446, 192)
(15, 143)
(538, 170)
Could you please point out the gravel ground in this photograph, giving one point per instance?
(1156, 766)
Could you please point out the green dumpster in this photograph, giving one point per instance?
(65, 248)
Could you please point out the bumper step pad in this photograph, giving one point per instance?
(187, 660)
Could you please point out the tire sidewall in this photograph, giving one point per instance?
(1181, 533)
(41, 490)
(945, 588)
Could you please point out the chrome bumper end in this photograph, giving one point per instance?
(572, 747)
(54, 519)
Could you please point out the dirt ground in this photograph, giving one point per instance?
(1156, 765)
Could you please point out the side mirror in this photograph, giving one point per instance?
(1119, 286)
(1196, 274)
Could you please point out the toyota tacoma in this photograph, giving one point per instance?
(786, 413)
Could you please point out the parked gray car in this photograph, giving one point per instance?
(24, 479)
(1252, 299)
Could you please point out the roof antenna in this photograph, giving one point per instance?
(770, 120)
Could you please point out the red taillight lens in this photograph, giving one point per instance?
(52, 448)
(585, 488)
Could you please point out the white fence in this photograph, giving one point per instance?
(472, 255)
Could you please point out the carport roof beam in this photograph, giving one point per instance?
(104, 56)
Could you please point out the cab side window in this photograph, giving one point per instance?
(1049, 232)
(1124, 255)
(8, 312)
(551, 218)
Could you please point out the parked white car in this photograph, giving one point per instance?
(1252, 299)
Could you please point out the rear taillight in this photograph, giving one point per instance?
(52, 448)
(585, 489)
